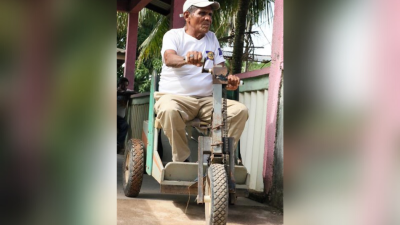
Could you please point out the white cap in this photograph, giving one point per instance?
(201, 4)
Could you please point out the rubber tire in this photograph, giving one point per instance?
(133, 168)
(216, 211)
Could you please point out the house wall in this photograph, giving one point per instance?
(274, 87)
(275, 196)
(138, 112)
(254, 94)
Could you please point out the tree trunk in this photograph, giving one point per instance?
(240, 26)
(248, 43)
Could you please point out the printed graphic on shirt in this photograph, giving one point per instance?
(210, 55)
(220, 51)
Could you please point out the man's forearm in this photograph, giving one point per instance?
(174, 61)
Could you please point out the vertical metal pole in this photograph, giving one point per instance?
(150, 135)
(232, 182)
(217, 118)
(200, 194)
(231, 142)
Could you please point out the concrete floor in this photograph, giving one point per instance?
(152, 207)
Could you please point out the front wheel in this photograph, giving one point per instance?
(216, 195)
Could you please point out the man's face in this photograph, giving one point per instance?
(124, 85)
(201, 19)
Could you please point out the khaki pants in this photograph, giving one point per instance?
(173, 111)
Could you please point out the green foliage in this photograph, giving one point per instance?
(252, 65)
(250, 12)
(151, 47)
(148, 22)
(257, 66)
(122, 22)
(157, 64)
(153, 26)
(222, 24)
(120, 72)
(142, 74)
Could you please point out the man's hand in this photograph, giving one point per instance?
(233, 82)
(194, 58)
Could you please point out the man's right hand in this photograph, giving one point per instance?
(173, 60)
(194, 58)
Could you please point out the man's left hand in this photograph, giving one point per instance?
(233, 82)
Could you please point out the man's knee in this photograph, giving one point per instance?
(240, 110)
(168, 110)
(243, 110)
(171, 111)
(166, 105)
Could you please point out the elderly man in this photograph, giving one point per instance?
(185, 92)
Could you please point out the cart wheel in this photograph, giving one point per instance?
(133, 168)
(216, 195)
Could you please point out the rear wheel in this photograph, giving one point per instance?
(133, 168)
(216, 195)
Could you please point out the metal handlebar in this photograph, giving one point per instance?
(203, 60)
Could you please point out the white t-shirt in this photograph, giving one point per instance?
(189, 79)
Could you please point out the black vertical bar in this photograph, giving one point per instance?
(232, 182)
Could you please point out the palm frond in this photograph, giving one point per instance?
(260, 10)
(149, 15)
(224, 17)
(222, 25)
(122, 23)
(152, 45)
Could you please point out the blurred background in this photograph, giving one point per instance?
(57, 107)
(57, 112)
(341, 138)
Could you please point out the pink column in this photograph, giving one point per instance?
(273, 94)
(131, 43)
(176, 9)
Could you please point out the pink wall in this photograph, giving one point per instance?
(275, 78)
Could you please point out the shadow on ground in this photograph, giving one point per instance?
(152, 207)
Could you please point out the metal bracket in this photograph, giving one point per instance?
(218, 143)
(217, 127)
